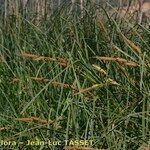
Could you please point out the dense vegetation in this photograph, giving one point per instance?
(79, 76)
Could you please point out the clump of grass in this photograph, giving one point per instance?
(86, 74)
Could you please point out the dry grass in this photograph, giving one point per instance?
(92, 81)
